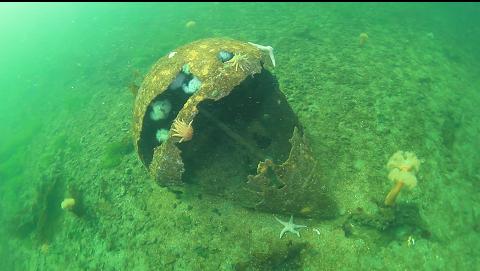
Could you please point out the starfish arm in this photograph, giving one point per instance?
(281, 222)
(298, 234)
(272, 57)
(283, 232)
(300, 226)
(260, 47)
(268, 49)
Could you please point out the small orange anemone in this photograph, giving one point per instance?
(182, 130)
(363, 39)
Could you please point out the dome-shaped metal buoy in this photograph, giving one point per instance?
(210, 114)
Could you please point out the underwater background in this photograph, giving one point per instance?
(365, 79)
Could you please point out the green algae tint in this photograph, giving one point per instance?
(365, 80)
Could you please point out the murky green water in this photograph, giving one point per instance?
(365, 80)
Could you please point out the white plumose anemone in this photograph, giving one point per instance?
(162, 135)
(160, 110)
(192, 86)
